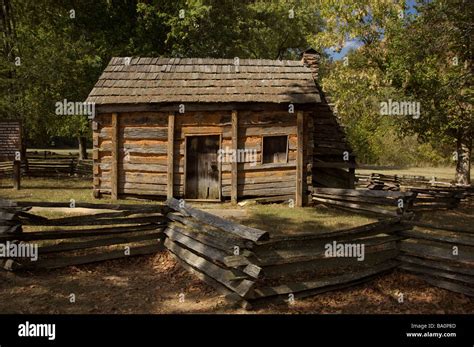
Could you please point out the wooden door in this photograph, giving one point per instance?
(202, 167)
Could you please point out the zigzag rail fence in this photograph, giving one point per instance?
(49, 164)
(251, 266)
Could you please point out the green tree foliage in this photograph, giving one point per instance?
(64, 46)
(424, 56)
(227, 29)
(431, 62)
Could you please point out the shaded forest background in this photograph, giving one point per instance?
(408, 51)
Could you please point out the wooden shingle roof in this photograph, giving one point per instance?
(159, 80)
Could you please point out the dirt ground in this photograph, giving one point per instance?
(158, 285)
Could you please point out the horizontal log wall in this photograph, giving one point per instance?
(329, 136)
(142, 154)
(330, 143)
(143, 141)
(257, 179)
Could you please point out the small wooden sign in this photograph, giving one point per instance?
(10, 140)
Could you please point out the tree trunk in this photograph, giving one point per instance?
(463, 163)
(82, 147)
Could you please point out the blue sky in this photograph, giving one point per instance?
(353, 44)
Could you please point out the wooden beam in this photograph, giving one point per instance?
(244, 232)
(441, 265)
(449, 285)
(140, 208)
(221, 275)
(439, 227)
(199, 107)
(100, 242)
(235, 138)
(442, 236)
(359, 207)
(322, 282)
(170, 158)
(362, 192)
(16, 174)
(192, 244)
(114, 175)
(300, 160)
(80, 233)
(205, 233)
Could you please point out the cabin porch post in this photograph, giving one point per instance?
(170, 157)
(300, 159)
(234, 168)
(114, 175)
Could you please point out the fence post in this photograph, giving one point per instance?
(72, 169)
(16, 174)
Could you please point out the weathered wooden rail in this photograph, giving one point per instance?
(49, 168)
(386, 203)
(439, 198)
(47, 164)
(392, 182)
(127, 230)
(6, 169)
(441, 255)
(391, 203)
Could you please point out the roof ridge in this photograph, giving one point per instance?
(143, 60)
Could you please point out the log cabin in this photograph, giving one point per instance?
(216, 129)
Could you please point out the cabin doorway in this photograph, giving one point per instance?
(202, 167)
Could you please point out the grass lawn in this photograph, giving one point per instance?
(60, 189)
(280, 219)
(48, 189)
